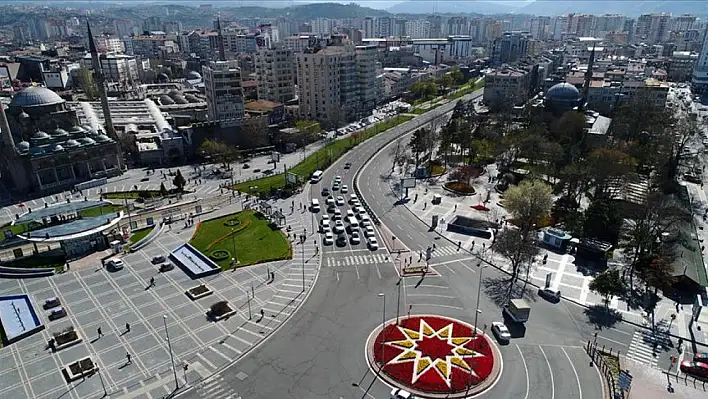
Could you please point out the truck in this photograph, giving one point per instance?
(517, 310)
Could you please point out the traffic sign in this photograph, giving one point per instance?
(625, 380)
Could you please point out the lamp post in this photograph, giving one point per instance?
(383, 326)
(233, 244)
(105, 393)
(169, 346)
(398, 299)
(479, 289)
(302, 247)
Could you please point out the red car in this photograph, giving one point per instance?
(701, 357)
(695, 368)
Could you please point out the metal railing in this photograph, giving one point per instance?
(596, 357)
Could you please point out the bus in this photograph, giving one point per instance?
(316, 177)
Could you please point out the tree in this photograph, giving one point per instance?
(658, 273)
(603, 220)
(87, 83)
(218, 151)
(255, 133)
(397, 152)
(418, 144)
(457, 76)
(464, 173)
(179, 181)
(424, 89)
(607, 284)
(528, 202)
(163, 189)
(512, 245)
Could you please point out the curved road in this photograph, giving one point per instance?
(320, 353)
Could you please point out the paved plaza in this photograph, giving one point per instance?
(96, 298)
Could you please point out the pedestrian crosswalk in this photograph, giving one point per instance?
(646, 346)
(216, 387)
(351, 260)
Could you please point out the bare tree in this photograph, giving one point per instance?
(518, 250)
(396, 152)
(255, 132)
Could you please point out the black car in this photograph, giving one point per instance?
(158, 259)
(166, 267)
(145, 179)
(347, 165)
(256, 170)
(325, 192)
(341, 240)
(246, 166)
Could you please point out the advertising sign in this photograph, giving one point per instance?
(408, 182)
(150, 221)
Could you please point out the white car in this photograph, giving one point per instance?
(337, 214)
(328, 238)
(344, 189)
(337, 179)
(350, 213)
(365, 219)
(115, 264)
(355, 203)
(369, 231)
(353, 198)
(355, 238)
(365, 223)
(359, 210)
(500, 331)
(329, 200)
(325, 226)
(373, 244)
(338, 227)
(340, 201)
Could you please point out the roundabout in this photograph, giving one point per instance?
(434, 357)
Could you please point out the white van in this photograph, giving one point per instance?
(315, 206)
(352, 221)
(316, 176)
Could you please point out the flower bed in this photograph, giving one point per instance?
(80, 368)
(232, 222)
(434, 354)
(480, 207)
(220, 254)
(199, 291)
(66, 338)
(220, 310)
(460, 188)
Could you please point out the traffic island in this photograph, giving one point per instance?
(434, 357)
(79, 369)
(198, 292)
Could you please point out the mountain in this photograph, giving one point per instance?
(453, 7)
(629, 7)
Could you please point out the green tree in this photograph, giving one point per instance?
(179, 181)
(457, 76)
(163, 189)
(218, 151)
(603, 220)
(607, 284)
(87, 83)
(528, 202)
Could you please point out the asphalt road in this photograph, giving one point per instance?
(320, 352)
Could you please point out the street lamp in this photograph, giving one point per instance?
(479, 290)
(398, 300)
(105, 393)
(383, 327)
(233, 243)
(169, 346)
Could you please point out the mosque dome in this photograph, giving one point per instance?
(36, 151)
(57, 148)
(23, 146)
(35, 96)
(102, 138)
(77, 130)
(71, 143)
(87, 141)
(59, 132)
(40, 136)
(563, 91)
(166, 100)
(193, 75)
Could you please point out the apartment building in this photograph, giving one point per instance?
(418, 29)
(150, 46)
(652, 28)
(275, 74)
(506, 84)
(119, 68)
(509, 48)
(700, 71)
(224, 93)
(366, 57)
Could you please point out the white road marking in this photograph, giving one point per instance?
(378, 272)
(442, 306)
(553, 384)
(523, 360)
(357, 272)
(580, 390)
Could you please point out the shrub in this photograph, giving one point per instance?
(220, 254)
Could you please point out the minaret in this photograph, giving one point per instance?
(7, 139)
(98, 73)
(220, 40)
(588, 75)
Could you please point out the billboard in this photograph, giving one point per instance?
(408, 182)
(275, 156)
(291, 178)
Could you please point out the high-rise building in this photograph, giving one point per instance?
(224, 93)
(653, 28)
(509, 48)
(700, 72)
(418, 29)
(539, 27)
(275, 74)
(607, 23)
(152, 24)
(366, 73)
(369, 27)
(385, 26)
(123, 27)
(560, 26)
(329, 81)
(457, 26)
(683, 23)
(322, 26)
(119, 68)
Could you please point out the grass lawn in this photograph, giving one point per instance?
(320, 159)
(256, 241)
(419, 111)
(138, 235)
(132, 194)
(99, 210)
(466, 91)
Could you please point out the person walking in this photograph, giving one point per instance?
(99, 332)
(127, 327)
(152, 281)
(127, 356)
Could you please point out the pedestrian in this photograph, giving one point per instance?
(67, 266)
(425, 205)
(433, 246)
(50, 344)
(127, 356)
(100, 333)
(127, 327)
(152, 281)
(262, 313)
(459, 245)
(272, 276)
(472, 244)
(455, 207)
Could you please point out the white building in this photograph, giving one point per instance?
(224, 94)
(275, 74)
(118, 68)
(418, 29)
(700, 72)
(322, 26)
(653, 28)
(506, 85)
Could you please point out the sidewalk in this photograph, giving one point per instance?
(649, 383)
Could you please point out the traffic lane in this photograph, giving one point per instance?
(321, 353)
(539, 373)
(514, 381)
(590, 381)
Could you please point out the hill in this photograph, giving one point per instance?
(451, 7)
(629, 8)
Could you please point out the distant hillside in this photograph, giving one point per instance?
(450, 7)
(629, 7)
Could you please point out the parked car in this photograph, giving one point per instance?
(373, 244)
(51, 303)
(166, 267)
(330, 200)
(341, 240)
(325, 191)
(550, 294)
(158, 259)
(57, 313)
(340, 200)
(114, 264)
(338, 227)
(245, 166)
(694, 368)
(369, 231)
(501, 332)
(355, 238)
